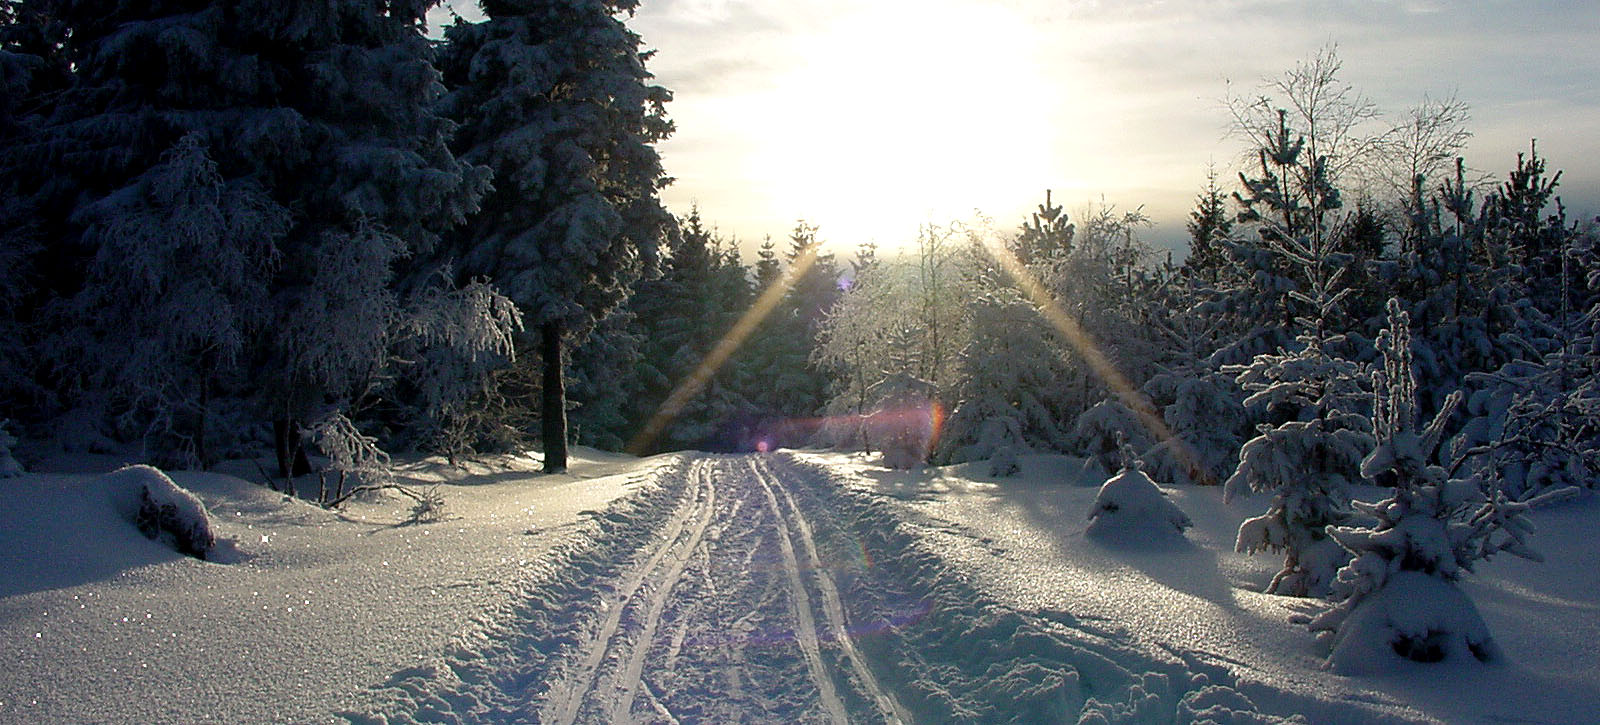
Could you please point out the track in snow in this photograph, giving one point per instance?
(729, 614)
(763, 589)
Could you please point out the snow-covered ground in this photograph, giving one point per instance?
(805, 587)
(304, 608)
(1023, 539)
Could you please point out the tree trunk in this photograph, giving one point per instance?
(553, 423)
(292, 459)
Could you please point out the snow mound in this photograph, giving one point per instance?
(9, 468)
(1130, 507)
(1414, 616)
(164, 512)
(1004, 462)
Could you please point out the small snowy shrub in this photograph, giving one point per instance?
(903, 420)
(1205, 417)
(1308, 469)
(162, 511)
(1129, 503)
(1101, 431)
(351, 454)
(1003, 464)
(9, 468)
(1399, 595)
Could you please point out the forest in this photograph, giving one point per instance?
(258, 229)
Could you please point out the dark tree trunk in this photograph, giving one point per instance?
(553, 423)
(292, 459)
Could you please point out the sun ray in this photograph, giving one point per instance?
(696, 381)
(1080, 342)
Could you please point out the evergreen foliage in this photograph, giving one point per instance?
(554, 99)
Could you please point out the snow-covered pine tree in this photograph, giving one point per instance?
(788, 390)
(1210, 223)
(325, 111)
(1046, 235)
(1310, 446)
(554, 98)
(1201, 406)
(32, 71)
(903, 419)
(1398, 595)
(680, 317)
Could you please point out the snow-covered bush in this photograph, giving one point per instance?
(9, 468)
(1102, 431)
(902, 422)
(1003, 463)
(1204, 416)
(162, 511)
(1399, 593)
(1306, 466)
(1009, 376)
(1131, 505)
(1307, 455)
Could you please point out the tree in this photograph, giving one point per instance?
(1047, 234)
(554, 98)
(1398, 594)
(325, 110)
(681, 317)
(1209, 224)
(178, 286)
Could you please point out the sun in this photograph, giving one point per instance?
(898, 118)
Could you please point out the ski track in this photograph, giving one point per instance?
(704, 598)
(805, 621)
(833, 609)
(661, 573)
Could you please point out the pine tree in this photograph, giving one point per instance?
(1046, 235)
(1399, 594)
(554, 98)
(1209, 225)
(1002, 400)
(321, 112)
(681, 317)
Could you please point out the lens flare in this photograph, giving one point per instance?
(691, 386)
(1080, 342)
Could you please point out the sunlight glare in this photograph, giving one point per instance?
(922, 114)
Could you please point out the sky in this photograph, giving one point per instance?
(871, 118)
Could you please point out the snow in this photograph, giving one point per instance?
(146, 498)
(1023, 541)
(788, 586)
(1131, 509)
(99, 624)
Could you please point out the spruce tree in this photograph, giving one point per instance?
(1209, 226)
(553, 97)
(322, 113)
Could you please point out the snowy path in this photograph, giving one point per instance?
(756, 589)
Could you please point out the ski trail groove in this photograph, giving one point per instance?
(571, 695)
(887, 706)
(805, 622)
